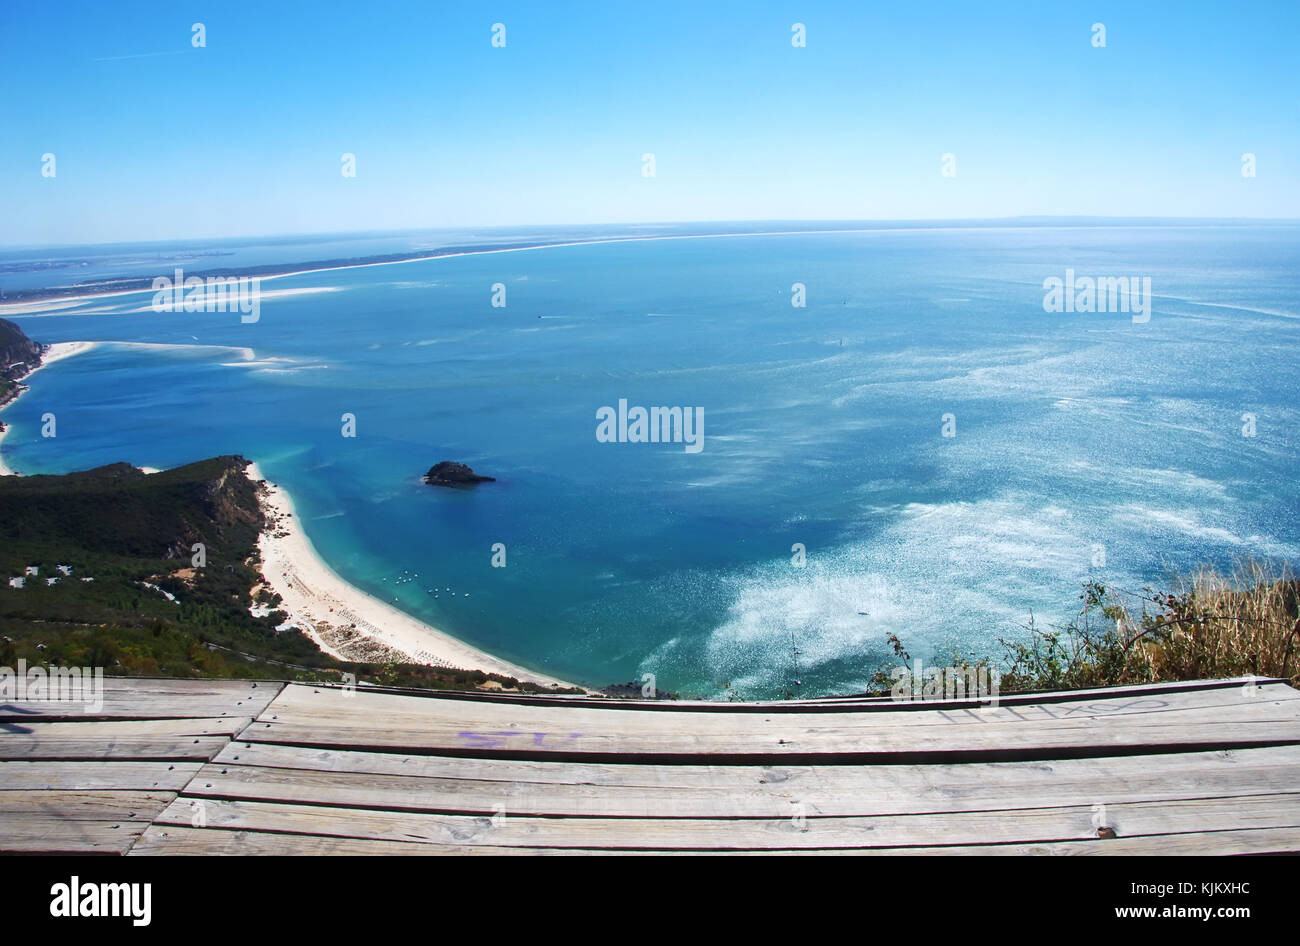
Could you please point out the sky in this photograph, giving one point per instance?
(156, 139)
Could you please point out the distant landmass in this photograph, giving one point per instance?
(144, 283)
(578, 235)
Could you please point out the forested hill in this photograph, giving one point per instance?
(125, 541)
(120, 512)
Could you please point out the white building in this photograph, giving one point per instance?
(17, 582)
(33, 570)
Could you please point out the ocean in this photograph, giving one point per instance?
(826, 510)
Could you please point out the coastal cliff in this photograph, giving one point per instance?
(19, 356)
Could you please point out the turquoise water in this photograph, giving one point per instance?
(822, 426)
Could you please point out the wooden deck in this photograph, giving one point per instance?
(234, 767)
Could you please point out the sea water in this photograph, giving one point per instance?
(920, 449)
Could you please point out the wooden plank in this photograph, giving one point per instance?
(1190, 844)
(488, 726)
(158, 841)
(83, 806)
(123, 741)
(817, 704)
(414, 710)
(127, 698)
(80, 838)
(432, 784)
(1182, 771)
(1187, 844)
(96, 776)
(109, 729)
(1036, 825)
(161, 841)
(133, 690)
(67, 822)
(493, 718)
(120, 749)
(1083, 737)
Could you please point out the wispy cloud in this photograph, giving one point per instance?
(173, 52)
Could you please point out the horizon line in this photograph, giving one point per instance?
(861, 222)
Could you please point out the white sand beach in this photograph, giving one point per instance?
(322, 604)
(56, 352)
(60, 350)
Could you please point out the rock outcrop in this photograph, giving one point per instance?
(448, 473)
(18, 353)
(19, 356)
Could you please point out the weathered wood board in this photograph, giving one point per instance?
(229, 767)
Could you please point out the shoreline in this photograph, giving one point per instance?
(55, 352)
(316, 596)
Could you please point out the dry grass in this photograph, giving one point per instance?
(1212, 625)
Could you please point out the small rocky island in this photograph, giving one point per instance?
(448, 473)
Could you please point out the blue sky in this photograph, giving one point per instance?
(154, 139)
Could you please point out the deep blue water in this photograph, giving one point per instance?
(822, 427)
